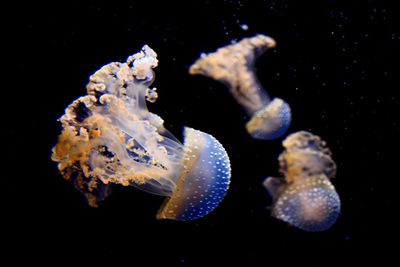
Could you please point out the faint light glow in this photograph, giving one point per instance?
(244, 27)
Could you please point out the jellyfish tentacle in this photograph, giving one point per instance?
(306, 155)
(234, 65)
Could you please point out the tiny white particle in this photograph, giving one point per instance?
(244, 27)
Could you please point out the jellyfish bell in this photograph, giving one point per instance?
(109, 137)
(311, 204)
(233, 65)
(305, 196)
(203, 180)
(270, 122)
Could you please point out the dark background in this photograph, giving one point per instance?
(334, 63)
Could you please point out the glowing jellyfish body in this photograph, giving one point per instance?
(233, 65)
(305, 197)
(109, 137)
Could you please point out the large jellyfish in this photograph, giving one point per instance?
(109, 137)
(305, 197)
(234, 66)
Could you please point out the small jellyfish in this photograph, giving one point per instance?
(233, 65)
(109, 137)
(305, 197)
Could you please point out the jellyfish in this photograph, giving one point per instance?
(305, 197)
(110, 138)
(233, 65)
